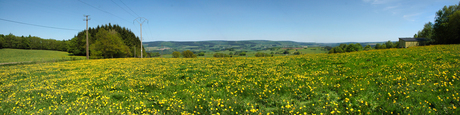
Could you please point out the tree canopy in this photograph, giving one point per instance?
(108, 44)
(188, 54)
(128, 38)
(32, 42)
(446, 27)
(176, 54)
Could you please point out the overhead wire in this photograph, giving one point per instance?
(150, 32)
(102, 10)
(129, 8)
(148, 26)
(123, 9)
(60, 10)
(38, 25)
(137, 29)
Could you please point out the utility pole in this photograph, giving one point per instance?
(140, 19)
(87, 44)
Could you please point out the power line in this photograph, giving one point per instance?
(129, 8)
(38, 25)
(140, 19)
(150, 31)
(122, 8)
(101, 10)
(87, 44)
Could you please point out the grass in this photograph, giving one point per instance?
(21, 55)
(418, 80)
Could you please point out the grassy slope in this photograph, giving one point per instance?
(419, 80)
(21, 55)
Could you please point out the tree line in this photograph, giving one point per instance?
(342, 48)
(32, 42)
(106, 41)
(446, 27)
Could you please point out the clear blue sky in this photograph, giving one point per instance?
(325, 21)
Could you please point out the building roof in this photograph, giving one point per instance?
(413, 39)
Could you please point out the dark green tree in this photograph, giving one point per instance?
(454, 27)
(1, 41)
(78, 43)
(338, 50)
(201, 54)
(331, 51)
(24, 43)
(389, 44)
(377, 46)
(396, 44)
(383, 46)
(242, 54)
(352, 48)
(286, 51)
(188, 54)
(296, 53)
(108, 45)
(359, 47)
(426, 32)
(9, 41)
(368, 47)
(343, 46)
(442, 34)
(176, 54)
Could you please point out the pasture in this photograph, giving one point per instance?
(26, 55)
(418, 80)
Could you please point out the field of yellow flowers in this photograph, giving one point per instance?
(419, 80)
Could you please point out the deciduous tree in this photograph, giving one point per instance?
(108, 45)
(188, 54)
(176, 54)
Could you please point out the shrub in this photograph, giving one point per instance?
(338, 50)
(297, 53)
(176, 54)
(201, 54)
(286, 52)
(368, 47)
(242, 54)
(332, 51)
(188, 54)
(219, 55)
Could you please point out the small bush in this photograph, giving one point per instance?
(188, 54)
(297, 53)
(242, 54)
(201, 54)
(176, 54)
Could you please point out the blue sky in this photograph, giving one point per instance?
(325, 21)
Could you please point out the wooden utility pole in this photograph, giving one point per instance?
(140, 18)
(87, 44)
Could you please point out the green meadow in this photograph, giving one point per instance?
(417, 80)
(25, 55)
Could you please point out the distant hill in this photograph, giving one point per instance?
(220, 45)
